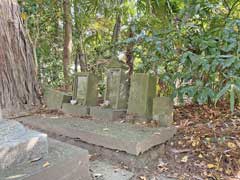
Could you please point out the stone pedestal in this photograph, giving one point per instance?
(163, 110)
(85, 89)
(142, 92)
(19, 145)
(107, 114)
(77, 110)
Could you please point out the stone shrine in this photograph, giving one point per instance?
(116, 85)
(142, 92)
(116, 93)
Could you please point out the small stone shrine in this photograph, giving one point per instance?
(116, 93)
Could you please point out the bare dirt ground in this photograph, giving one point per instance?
(206, 146)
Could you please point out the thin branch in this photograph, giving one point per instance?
(232, 7)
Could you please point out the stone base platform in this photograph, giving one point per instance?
(64, 162)
(19, 145)
(77, 110)
(107, 114)
(135, 146)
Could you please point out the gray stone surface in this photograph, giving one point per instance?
(118, 136)
(163, 110)
(104, 171)
(142, 92)
(85, 89)
(19, 145)
(54, 99)
(64, 162)
(107, 114)
(77, 109)
(11, 130)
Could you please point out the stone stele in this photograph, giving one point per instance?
(54, 99)
(85, 89)
(19, 145)
(142, 92)
(163, 110)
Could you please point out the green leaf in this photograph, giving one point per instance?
(232, 98)
(222, 92)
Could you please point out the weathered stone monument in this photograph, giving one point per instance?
(84, 94)
(116, 85)
(142, 92)
(163, 110)
(54, 99)
(116, 93)
(85, 89)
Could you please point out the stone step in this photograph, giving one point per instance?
(102, 170)
(64, 162)
(116, 136)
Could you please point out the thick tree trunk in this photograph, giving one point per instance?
(18, 85)
(67, 38)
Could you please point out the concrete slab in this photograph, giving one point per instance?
(107, 114)
(104, 171)
(77, 110)
(117, 136)
(64, 162)
(19, 145)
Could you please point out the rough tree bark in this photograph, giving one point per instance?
(67, 38)
(129, 53)
(117, 26)
(18, 83)
(116, 30)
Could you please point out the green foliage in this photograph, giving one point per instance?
(192, 45)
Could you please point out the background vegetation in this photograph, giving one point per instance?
(193, 46)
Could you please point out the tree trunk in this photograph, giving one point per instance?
(129, 53)
(116, 29)
(18, 83)
(80, 51)
(67, 38)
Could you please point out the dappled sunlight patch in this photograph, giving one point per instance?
(32, 143)
(16, 176)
